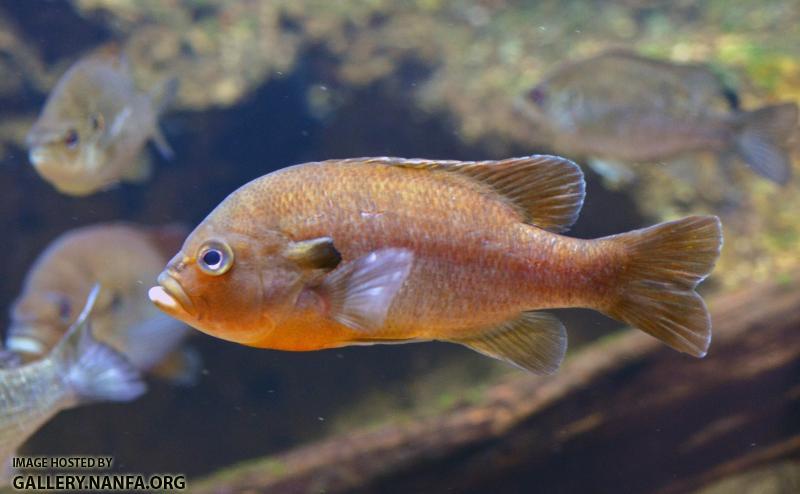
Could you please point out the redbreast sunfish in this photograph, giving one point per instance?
(625, 107)
(94, 125)
(123, 258)
(387, 250)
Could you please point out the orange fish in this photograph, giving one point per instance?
(388, 250)
(120, 256)
(92, 129)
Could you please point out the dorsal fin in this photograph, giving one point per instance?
(547, 191)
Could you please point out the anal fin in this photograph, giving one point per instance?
(534, 341)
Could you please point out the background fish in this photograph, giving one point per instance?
(94, 124)
(78, 370)
(386, 250)
(621, 106)
(124, 259)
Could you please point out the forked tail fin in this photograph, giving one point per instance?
(761, 138)
(663, 265)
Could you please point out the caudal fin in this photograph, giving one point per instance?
(762, 134)
(663, 265)
(93, 370)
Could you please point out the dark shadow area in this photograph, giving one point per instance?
(39, 20)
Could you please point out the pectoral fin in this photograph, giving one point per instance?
(117, 124)
(359, 293)
(317, 253)
(162, 145)
(534, 341)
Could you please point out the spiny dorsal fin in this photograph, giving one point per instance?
(547, 191)
(534, 341)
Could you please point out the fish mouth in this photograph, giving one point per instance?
(169, 295)
(26, 344)
(38, 156)
(32, 337)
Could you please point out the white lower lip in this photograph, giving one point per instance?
(36, 157)
(161, 298)
(22, 344)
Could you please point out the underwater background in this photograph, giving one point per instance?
(267, 84)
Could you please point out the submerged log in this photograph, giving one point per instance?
(625, 414)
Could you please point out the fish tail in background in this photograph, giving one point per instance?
(93, 370)
(760, 136)
(162, 95)
(663, 265)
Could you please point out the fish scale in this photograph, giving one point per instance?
(91, 131)
(124, 258)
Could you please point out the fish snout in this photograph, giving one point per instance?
(38, 156)
(31, 338)
(169, 295)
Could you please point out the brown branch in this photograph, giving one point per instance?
(625, 414)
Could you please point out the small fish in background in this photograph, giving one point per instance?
(91, 132)
(78, 370)
(622, 107)
(125, 259)
(391, 250)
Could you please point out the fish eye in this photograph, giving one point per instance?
(64, 310)
(71, 139)
(98, 122)
(538, 95)
(116, 301)
(215, 258)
